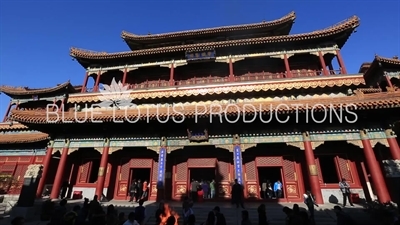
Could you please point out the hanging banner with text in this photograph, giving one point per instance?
(238, 163)
(162, 156)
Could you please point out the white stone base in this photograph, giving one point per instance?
(335, 196)
(88, 192)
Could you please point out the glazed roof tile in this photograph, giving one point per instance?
(394, 61)
(265, 24)
(22, 138)
(370, 68)
(9, 90)
(283, 84)
(12, 126)
(368, 101)
(349, 24)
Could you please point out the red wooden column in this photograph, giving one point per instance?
(45, 170)
(103, 168)
(58, 180)
(388, 81)
(171, 74)
(312, 169)
(287, 66)
(340, 62)
(393, 145)
(124, 76)
(375, 170)
(7, 111)
(96, 85)
(231, 75)
(323, 65)
(85, 82)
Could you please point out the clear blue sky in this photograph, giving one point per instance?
(36, 35)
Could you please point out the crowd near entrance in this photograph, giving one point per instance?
(139, 184)
(270, 180)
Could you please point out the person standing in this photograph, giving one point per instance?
(264, 189)
(145, 190)
(278, 189)
(245, 218)
(139, 192)
(310, 202)
(132, 189)
(219, 217)
(212, 189)
(262, 215)
(193, 190)
(237, 194)
(345, 189)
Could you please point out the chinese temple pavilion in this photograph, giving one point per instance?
(310, 124)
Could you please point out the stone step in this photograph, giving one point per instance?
(275, 216)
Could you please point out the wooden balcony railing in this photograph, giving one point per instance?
(261, 76)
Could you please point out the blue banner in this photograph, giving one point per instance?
(162, 157)
(238, 163)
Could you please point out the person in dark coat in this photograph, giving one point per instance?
(309, 200)
(132, 190)
(219, 217)
(237, 194)
(262, 215)
(343, 218)
(139, 190)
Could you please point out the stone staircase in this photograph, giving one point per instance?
(323, 215)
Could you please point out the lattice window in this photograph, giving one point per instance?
(344, 168)
(289, 170)
(19, 178)
(84, 172)
(89, 171)
(155, 171)
(251, 171)
(141, 163)
(124, 175)
(318, 171)
(181, 172)
(269, 161)
(223, 168)
(201, 162)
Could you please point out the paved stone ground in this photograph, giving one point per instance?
(324, 214)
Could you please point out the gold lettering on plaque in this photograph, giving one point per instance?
(313, 170)
(101, 172)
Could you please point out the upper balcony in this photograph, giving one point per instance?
(219, 71)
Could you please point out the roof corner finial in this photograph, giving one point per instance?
(148, 33)
(395, 57)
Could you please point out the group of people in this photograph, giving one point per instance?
(92, 213)
(202, 190)
(138, 190)
(269, 191)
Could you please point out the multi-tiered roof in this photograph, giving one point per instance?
(172, 45)
(271, 35)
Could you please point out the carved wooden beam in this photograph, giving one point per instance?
(71, 150)
(357, 143)
(244, 147)
(227, 147)
(299, 145)
(154, 148)
(113, 149)
(173, 148)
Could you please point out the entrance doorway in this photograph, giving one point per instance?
(199, 174)
(271, 175)
(143, 174)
